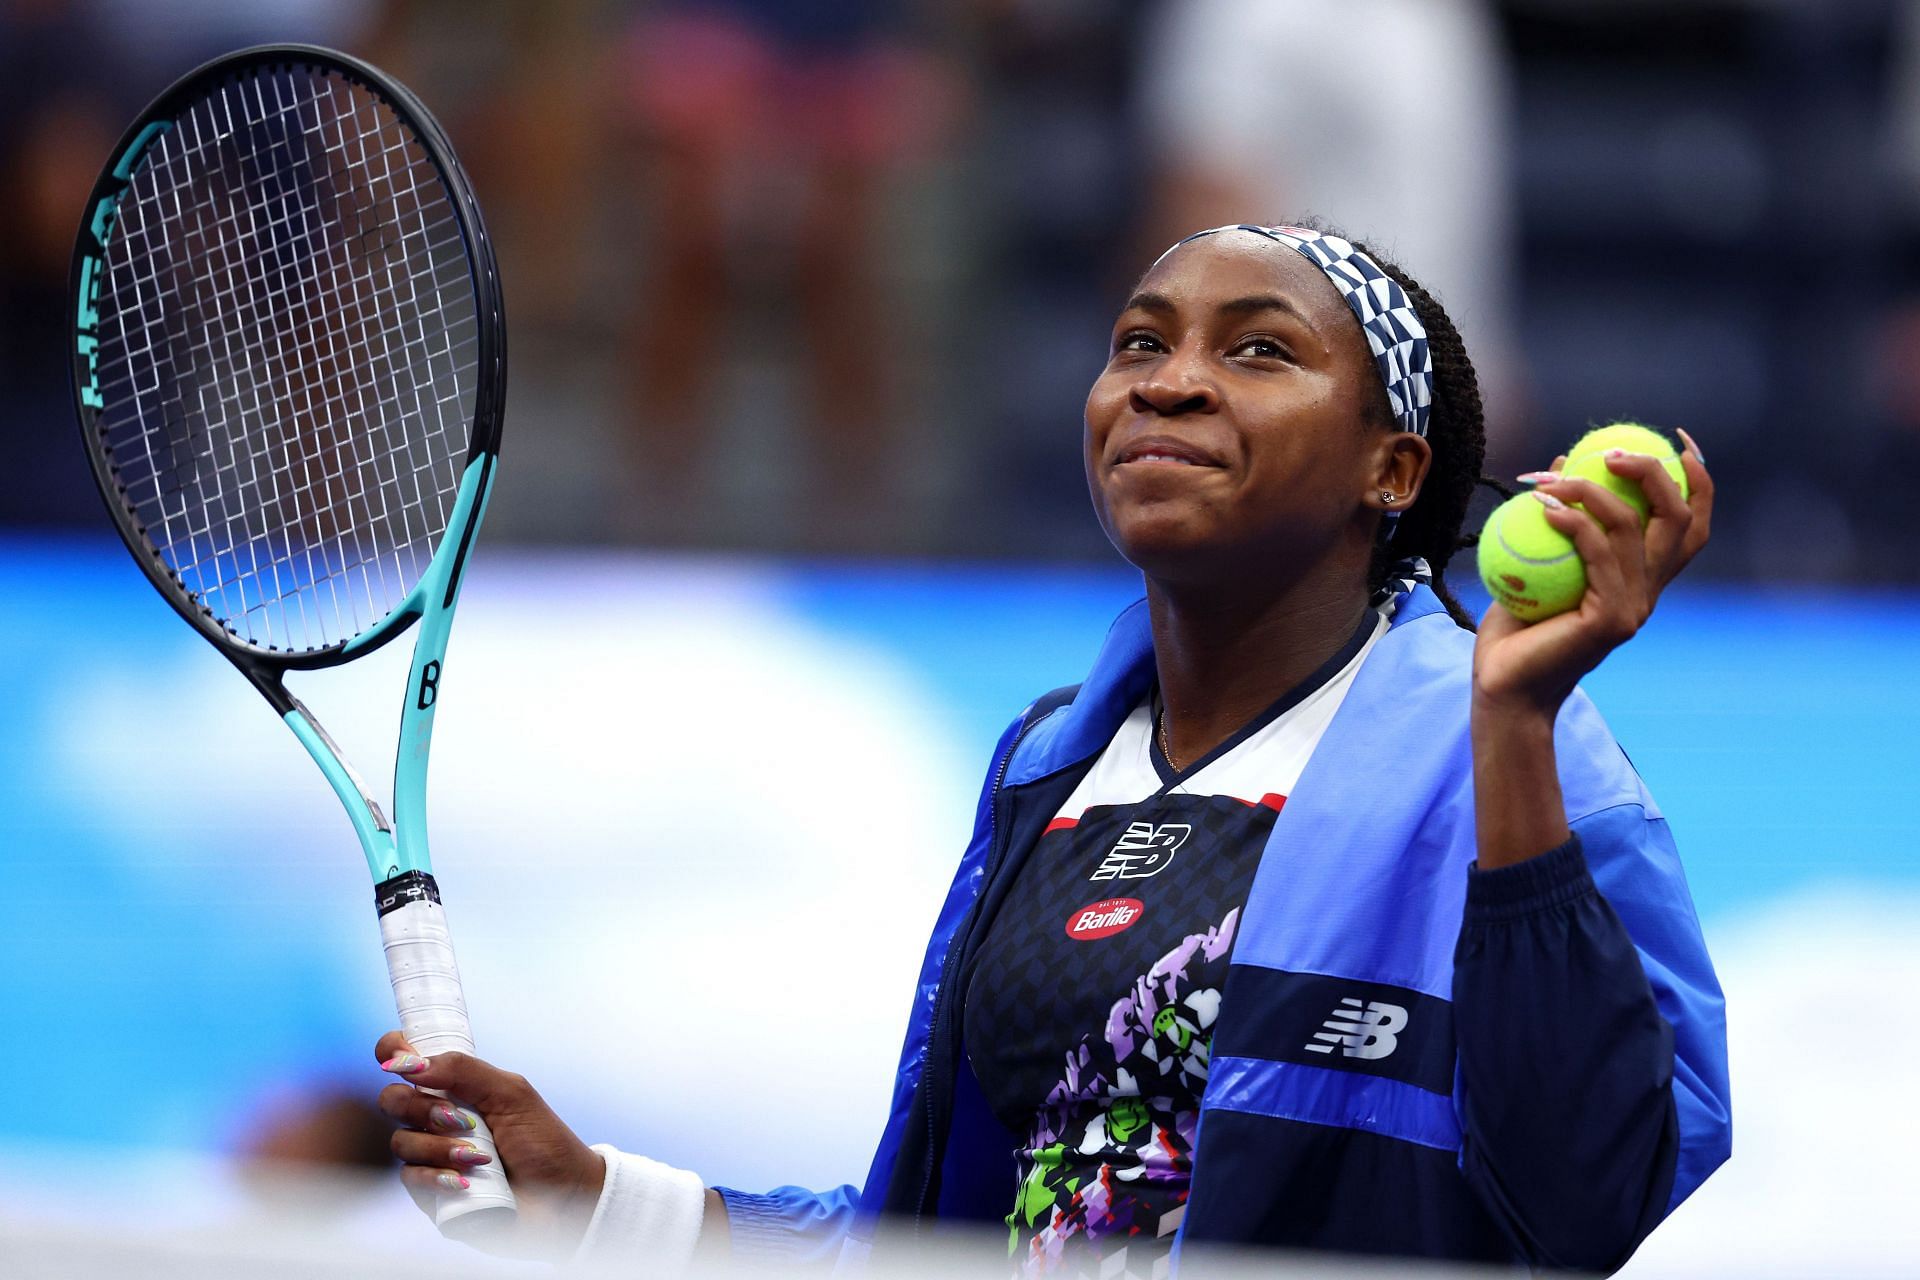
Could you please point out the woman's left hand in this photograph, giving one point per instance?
(1532, 667)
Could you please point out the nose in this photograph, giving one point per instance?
(1175, 385)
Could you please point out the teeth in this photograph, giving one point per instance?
(1162, 457)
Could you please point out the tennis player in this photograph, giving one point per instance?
(1311, 917)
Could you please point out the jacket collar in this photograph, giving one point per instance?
(1121, 676)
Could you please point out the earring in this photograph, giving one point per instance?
(1388, 498)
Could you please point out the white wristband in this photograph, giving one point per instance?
(647, 1211)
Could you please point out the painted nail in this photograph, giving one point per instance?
(468, 1154)
(1548, 501)
(452, 1182)
(448, 1118)
(1698, 456)
(1538, 477)
(405, 1064)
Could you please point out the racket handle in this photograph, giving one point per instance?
(433, 1016)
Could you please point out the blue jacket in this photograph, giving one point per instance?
(1557, 1076)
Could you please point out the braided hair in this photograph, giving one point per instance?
(1457, 431)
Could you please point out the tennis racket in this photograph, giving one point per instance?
(289, 365)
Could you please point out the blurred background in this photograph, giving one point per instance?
(805, 297)
(834, 275)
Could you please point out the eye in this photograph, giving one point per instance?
(1138, 340)
(1261, 348)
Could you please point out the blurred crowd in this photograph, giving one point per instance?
(833, 276)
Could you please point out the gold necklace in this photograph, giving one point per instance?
(1160, 728)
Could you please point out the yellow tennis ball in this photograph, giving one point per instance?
(1588, 461)
(1529, 566)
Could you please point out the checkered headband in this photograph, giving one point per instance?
(1386, 315)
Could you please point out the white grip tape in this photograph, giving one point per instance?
(433, 1014)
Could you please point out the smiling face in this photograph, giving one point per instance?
(1240, 424)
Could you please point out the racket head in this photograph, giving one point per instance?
(289, 354)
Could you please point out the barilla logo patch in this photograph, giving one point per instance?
(1104, 918)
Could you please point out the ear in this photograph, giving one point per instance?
(1400, 468)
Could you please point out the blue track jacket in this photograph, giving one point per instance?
(1557, 1078)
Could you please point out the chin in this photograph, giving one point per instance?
(1168, 544)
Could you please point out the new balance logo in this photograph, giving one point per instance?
(1145, 850)
(1369, 1031)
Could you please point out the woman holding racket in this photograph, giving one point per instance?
(1310, 918)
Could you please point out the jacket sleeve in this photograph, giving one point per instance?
(1592, 1043)
(789, 1228)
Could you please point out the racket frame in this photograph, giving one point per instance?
(400, 845)
(420, 956)
(257, 660)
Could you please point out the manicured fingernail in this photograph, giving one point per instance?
(448, 1118)
(405, 1064)
(1698, 456)
(468, 1154)
(1538, 477)
(452, 1182)
(1548, 501)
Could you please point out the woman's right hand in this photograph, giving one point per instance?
(556, 1177)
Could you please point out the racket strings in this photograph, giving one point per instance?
(289, 482)
(288, 356)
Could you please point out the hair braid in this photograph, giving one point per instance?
(1457, 431)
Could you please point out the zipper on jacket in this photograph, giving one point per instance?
(953, 956)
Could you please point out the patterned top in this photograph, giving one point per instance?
(1089, 1014)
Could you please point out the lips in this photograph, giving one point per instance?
(1163, 451)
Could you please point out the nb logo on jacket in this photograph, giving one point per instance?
(1361, 1031)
